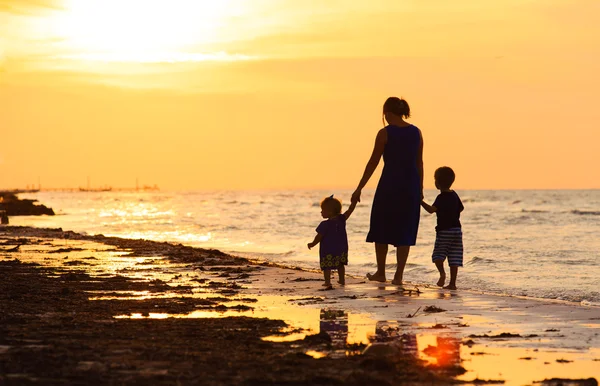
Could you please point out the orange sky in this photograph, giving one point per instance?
(254, 94)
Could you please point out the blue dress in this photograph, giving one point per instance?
(397, 202)
(333, 250)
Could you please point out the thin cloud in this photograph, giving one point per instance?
(28, 7)
(160, 57)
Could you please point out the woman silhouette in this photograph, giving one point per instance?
(396, 205)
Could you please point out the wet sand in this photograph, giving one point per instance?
(94, 309)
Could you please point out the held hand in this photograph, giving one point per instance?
(356, 196)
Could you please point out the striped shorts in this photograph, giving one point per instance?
(449, 243)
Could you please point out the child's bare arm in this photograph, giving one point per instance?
(428, 208)
(350, 210)
(316, 241)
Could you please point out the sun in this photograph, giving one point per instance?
(136, 30)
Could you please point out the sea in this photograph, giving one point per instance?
(531, 243)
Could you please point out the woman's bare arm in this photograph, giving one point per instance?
(380, 142)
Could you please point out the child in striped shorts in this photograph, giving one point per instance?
(448, 240)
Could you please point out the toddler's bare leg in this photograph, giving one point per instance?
(440, 266)
(342, 274)
(327, 275)
(453, 274)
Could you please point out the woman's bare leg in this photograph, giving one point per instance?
(381, 254)
(401, 257)
(342, 274)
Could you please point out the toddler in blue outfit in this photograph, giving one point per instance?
(331, 233)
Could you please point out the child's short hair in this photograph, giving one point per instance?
(444, 177)
(333, 203)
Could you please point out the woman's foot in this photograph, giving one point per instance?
(450, 287)
(442, 281)
(397, 279)
(342, 282)
(376, 277)
(326, 284)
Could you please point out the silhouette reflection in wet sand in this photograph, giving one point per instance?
(392, 331)
(335, 324)
(445, 354)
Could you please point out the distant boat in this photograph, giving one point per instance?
(105, 189)
(148, 188)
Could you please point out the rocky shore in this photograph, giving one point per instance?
(90, 309)
(69, 318)
(14, 206)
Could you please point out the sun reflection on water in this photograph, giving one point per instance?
(520, 366)
(316, 354)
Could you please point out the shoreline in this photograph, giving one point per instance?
(559, 338)
(238, 223)
(427, 285)
(265, 262)
(258, 261)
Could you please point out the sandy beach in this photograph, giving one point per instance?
(95, 309)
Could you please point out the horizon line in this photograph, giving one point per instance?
(158, 189)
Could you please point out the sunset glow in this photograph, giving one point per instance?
(142, 30)
(244, 94)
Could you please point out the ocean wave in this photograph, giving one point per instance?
(230, 228)
(367, 265)
(564, 260)
(586, 212)
(586, 302)
(517, 220)
(261, 255)
(479, 260)
(493, 287)
(565, 295)
(285, 195)
(425, 270)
